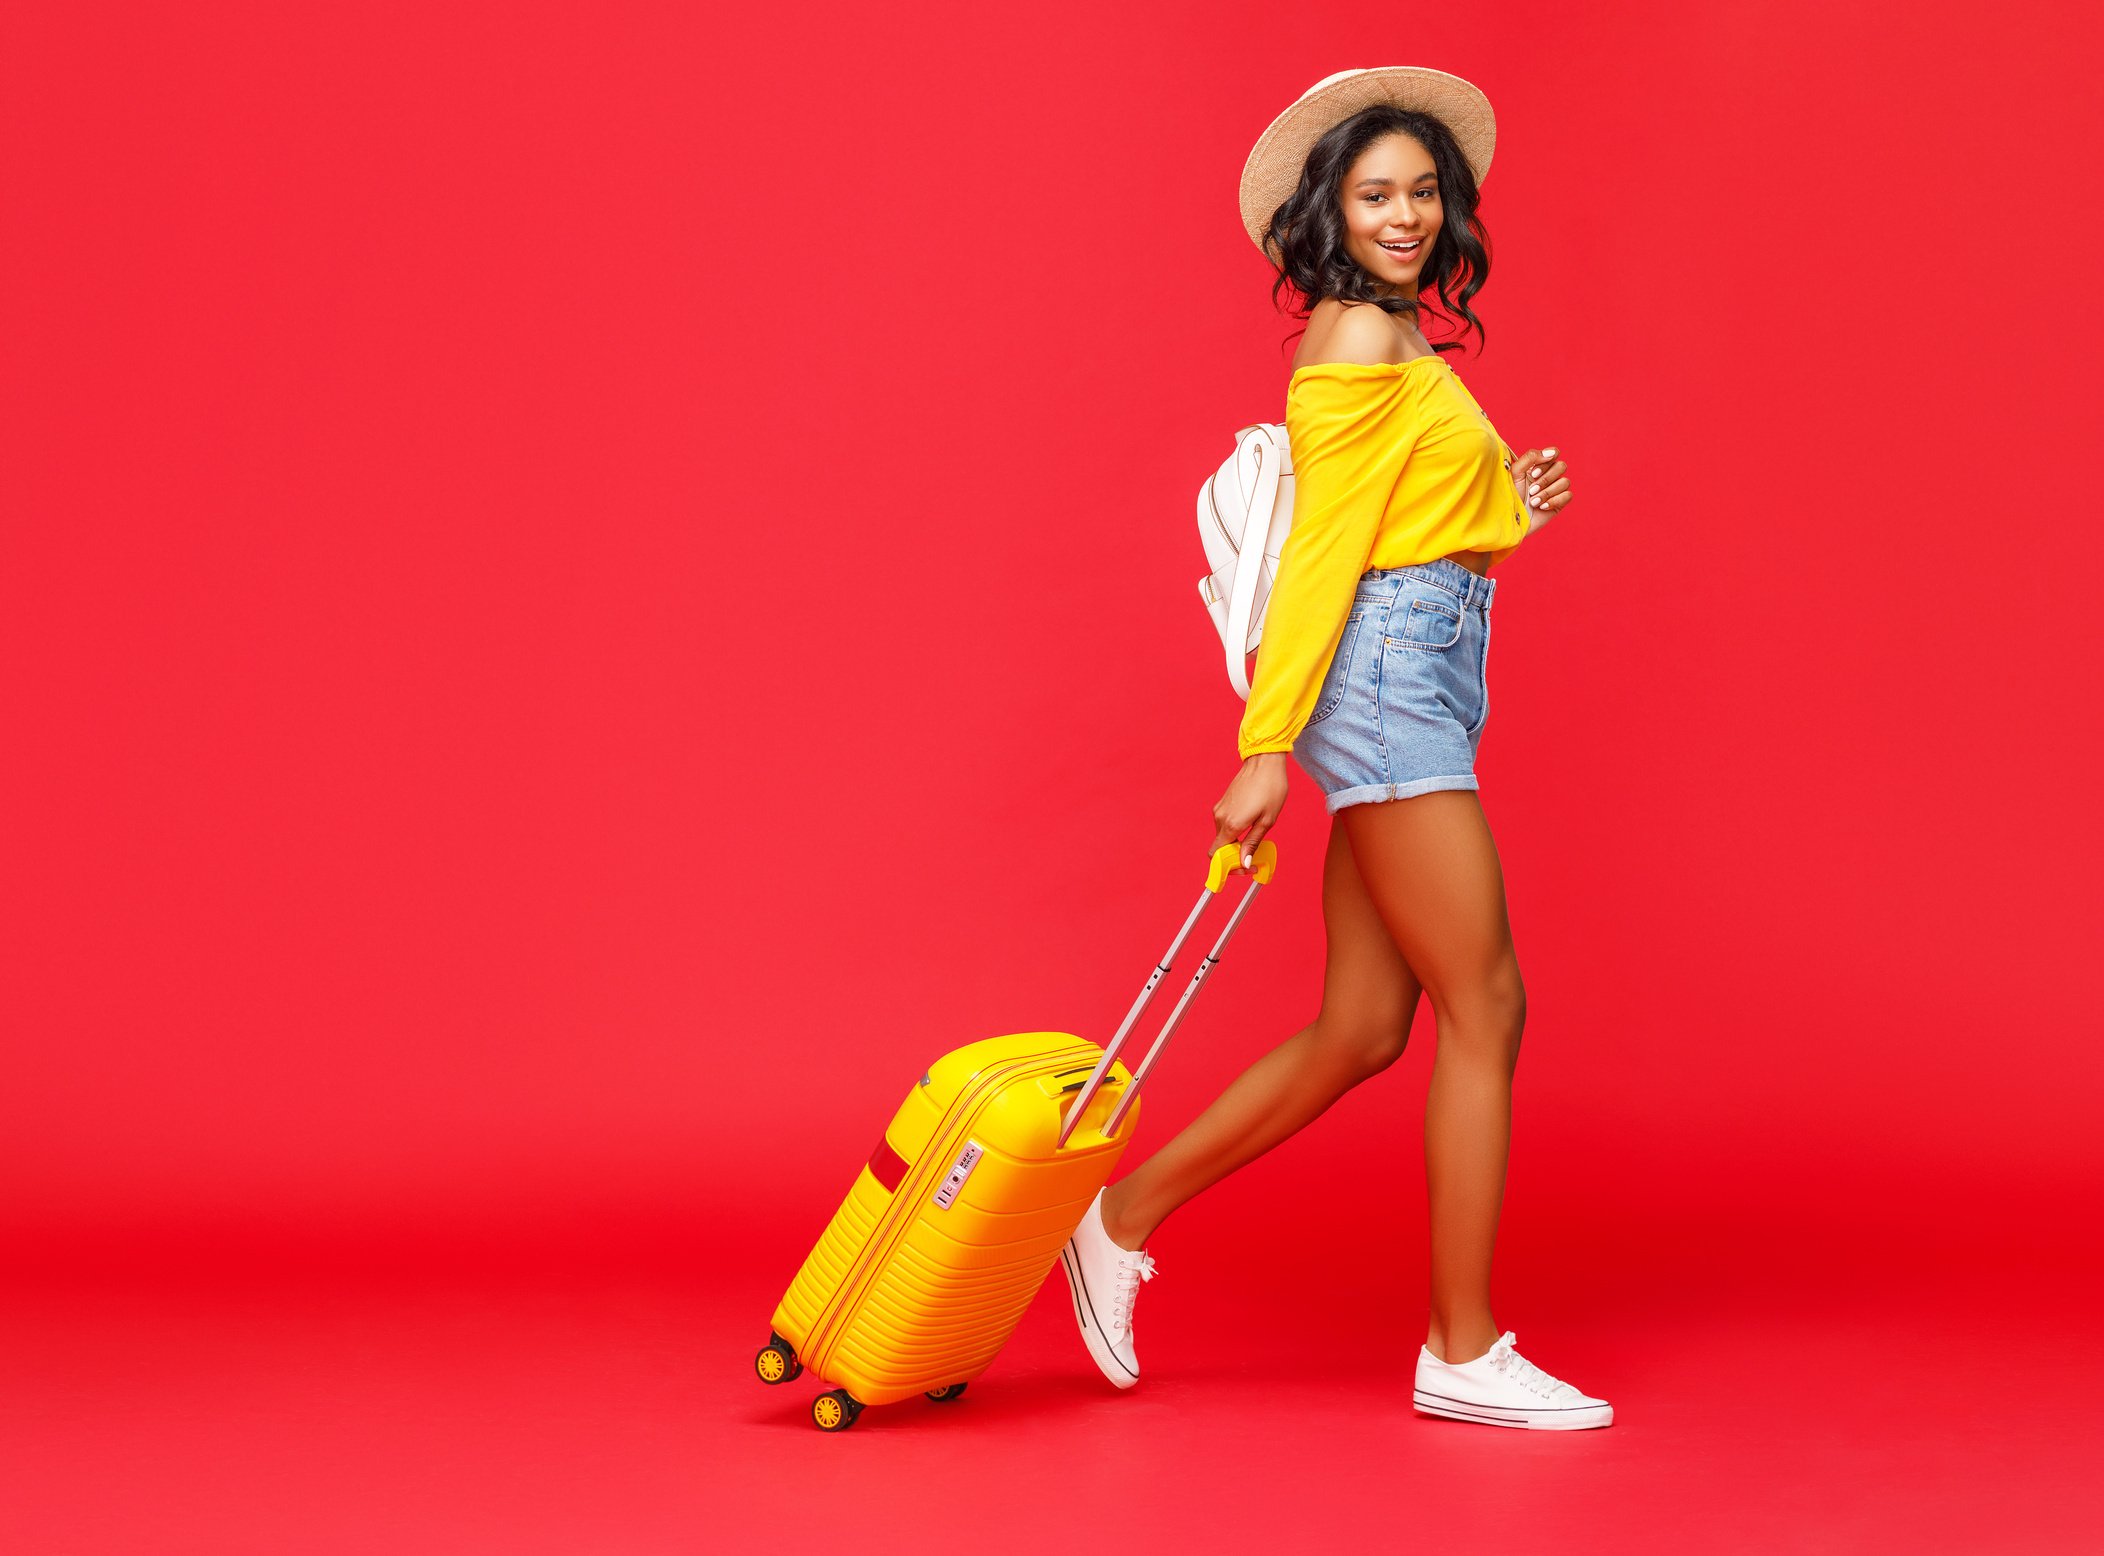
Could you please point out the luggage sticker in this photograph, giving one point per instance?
(886, 1165)
(967, 1159)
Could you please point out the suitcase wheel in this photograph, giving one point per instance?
(777, 1361)
(944, 1395)
(836, 1411)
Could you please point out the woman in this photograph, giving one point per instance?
(1371, 674)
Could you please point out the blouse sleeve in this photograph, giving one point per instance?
(1350, 428)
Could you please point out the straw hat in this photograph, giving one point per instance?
(1273, 169)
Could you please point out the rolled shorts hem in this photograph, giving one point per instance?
(1366, 793)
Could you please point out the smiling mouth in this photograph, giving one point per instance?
(1404, 250)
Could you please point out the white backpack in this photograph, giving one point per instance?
(1245, 509)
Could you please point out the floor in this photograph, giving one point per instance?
(234, 1397)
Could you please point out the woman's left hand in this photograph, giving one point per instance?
(1543, 485)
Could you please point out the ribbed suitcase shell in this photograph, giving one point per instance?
(911, 1288)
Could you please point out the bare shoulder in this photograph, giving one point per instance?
(1349, 332)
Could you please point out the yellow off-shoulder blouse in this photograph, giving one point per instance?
(1393, 463)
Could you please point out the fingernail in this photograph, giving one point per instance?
(1548, 451)
(1535, 487)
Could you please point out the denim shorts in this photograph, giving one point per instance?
(1402, 708)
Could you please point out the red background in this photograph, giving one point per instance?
(585, 591)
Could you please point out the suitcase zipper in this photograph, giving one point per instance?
(833, 1318)
(940, 1154)
(954, 1126)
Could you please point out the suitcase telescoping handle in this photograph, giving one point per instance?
(1224, 859)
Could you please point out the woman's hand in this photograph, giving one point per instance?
(1253, 800)
(1542, 485)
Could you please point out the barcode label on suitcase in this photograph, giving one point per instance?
(967, 1159)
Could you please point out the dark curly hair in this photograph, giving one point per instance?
(1305, 238)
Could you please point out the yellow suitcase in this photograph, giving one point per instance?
(960, 1212)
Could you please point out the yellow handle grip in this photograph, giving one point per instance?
(1228, 855)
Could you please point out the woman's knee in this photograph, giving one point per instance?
(1490, 1011)
(1362, 1047)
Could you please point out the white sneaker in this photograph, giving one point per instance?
(1503, 1388)
(1105, 1282)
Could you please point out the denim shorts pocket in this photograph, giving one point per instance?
(1430, 625)
(1338, 677)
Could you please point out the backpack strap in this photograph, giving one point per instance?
(1249, 557)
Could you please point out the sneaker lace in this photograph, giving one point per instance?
(1522, 1371)
(1133, 1267)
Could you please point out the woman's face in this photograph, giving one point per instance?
(1391, 211)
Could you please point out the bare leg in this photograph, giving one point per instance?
(1368, 998)
(1433, 870)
